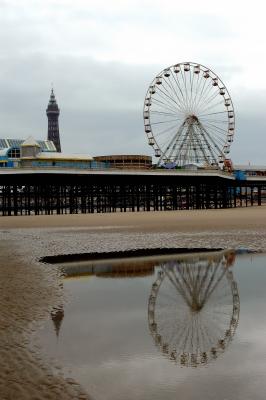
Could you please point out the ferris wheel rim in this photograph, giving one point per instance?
(221, 151)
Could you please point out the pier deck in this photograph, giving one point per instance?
(60, 190)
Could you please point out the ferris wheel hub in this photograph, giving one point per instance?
(192, 119)
(196, 307)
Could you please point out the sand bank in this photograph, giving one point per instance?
(27, 295)
(185, 221)
(29, 291)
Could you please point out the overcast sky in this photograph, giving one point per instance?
(101, 56)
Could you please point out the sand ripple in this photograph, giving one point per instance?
(27, 294)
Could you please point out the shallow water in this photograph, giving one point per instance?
(187, 326)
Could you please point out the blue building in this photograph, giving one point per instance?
(32, 153)
(10, 151)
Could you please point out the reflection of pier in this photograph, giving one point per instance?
(127, 268)
(194, 307)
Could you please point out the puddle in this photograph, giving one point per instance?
(164, 327)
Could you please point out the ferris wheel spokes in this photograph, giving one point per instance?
(187, 95)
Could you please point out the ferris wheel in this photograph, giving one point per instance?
(189, 116)
(193, 309)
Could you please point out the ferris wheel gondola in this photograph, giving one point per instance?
(189, 116)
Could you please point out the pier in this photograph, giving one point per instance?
(68, 191)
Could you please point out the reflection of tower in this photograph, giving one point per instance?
(194, 308)
(52, 113)
(57, 316)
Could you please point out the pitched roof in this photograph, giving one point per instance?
(46, 145)
(30, 141)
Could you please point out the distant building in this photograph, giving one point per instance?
(32, 156)
(241, 172)
(45, 145)
(10, 150)
(52, 113)
(126, 161)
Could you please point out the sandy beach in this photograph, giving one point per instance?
(30, 291)
(179, 221)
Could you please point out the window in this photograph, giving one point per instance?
(13, 153)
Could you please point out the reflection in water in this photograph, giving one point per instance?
(134, 329)
(57, 316)
(130, 268)
(113, 269)
(193, 307)
(107, 345)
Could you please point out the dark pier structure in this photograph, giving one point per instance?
(62, 191)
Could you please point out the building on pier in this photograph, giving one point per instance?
(243, 171)
(10, 151)
(45, 145)
(33, 157)
(17, 153)
(35, 153)
(126, 161)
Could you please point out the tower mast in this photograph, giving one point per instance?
(52, 113)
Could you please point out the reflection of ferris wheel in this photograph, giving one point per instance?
(189, 116)
(194, 308)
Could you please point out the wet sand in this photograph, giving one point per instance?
(29, 291)
(27, 295)
(186, 221)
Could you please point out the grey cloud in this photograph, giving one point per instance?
(101, 102)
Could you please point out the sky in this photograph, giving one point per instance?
(100, 56)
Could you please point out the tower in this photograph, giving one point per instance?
(52, 113)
